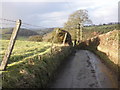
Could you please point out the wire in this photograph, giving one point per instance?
(3, 19)
(31, 25)
(7, 24)
(23, 23)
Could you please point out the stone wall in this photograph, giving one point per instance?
(109, 45)
(106, 46)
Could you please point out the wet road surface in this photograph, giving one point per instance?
(84, 70)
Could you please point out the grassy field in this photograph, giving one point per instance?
(23, 34)
(32, 64)
(91, 31)
(24, 49)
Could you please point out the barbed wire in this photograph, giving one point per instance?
(25, 25)
(7, 24)
(31, 25)
(3, 19)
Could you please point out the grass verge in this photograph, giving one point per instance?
(36, 71)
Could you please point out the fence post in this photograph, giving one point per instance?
(64, 38)
(52, 44)
(78, 34)
(53, 40)
(10, 46)
(81, 32)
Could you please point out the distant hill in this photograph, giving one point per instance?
(43, 31)
(22, 34)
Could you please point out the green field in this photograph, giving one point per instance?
(88, 31)
(24, 49)
(32, 64)
(23, 34)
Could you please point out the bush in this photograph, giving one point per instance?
(36, 38)
(60, 36)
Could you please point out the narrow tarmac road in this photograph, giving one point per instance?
(84, 70)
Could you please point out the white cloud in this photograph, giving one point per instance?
(33, 1)
(99, 11)
(41, 13)
(54, 18)
(105, 14)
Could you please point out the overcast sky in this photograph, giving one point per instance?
(54, 13)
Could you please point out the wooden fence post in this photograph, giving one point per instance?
(10, 46)
(81, 32)
(78, 34)
(52, 44)
(53, 39)
(64, 38)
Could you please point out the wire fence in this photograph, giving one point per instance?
(13, 33)
(10, 24)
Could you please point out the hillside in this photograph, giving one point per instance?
(43, 31)
(22, 35)
(88, 31)
(91, 31)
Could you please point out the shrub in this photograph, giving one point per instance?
(60, 36)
